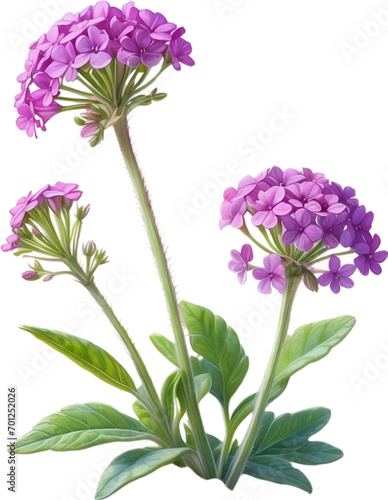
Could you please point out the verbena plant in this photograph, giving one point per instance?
(299, 219)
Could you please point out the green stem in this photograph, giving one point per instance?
(201, 441)
(245, 231)
(237, 466)
(226, 444)
(348, 252)
(163, 68)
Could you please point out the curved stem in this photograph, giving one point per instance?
(201, 441)
(237, 466)
(348, 252)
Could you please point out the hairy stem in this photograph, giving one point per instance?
(201, 441)
(237, 466)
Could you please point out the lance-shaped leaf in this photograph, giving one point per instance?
(87, 355)
(168, 394)
(133, 465)
(165, 347)
(308, 344)
(78, 427)
(218, 344)
(277, 470)
(314, 453)
(289, 431)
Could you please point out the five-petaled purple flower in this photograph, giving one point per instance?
(368, 256)
(269, 206)
(337, 276)
(239, 262)
(273, 274)
(301, 231)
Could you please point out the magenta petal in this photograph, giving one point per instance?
(303, 242)
(247, 252)
(362, 264)
(270, 220)
(336, 208)
(325, 279)
(375, 267)
(82, 59)
(60, 54)
(272, 261)
(83, 44)
(380, 256)
(275, 195)
(346, 282)
(289, 237)
(282, 209)
(334, 264)
(303, 217)
(347, 270)
(265, 286)
(151, 59)
(313, 206)
(335, 286)
(260, 273)
(100, 60)
(314, 232)
(279, 283)
(56, 69)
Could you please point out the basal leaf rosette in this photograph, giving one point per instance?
(98, 60)
(302, 219)
(43, 228)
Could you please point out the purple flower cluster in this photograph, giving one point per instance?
(306, 215)
(93, 36)
(57, 197)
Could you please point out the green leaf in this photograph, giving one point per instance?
(289, 431)
(133, 465)
(144, 417)
(214, 442)
(169, 392)
(314, 453)
(203, 383)
(218, 344)
(87, 355)
(78, 427)
(277, 470)
(308, 344)
(165, 347)
(242, 411)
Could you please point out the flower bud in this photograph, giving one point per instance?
(310, 280)
(82, 212)
(49, 277)
(30, 275)
(89, 249)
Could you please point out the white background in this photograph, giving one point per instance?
(310, 60)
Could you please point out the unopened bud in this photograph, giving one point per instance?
(310, 280)
(30, 275)
(49, 277)
(89, 249)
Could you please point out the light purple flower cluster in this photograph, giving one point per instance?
(93, 36)
(305, 214)
(58, 196)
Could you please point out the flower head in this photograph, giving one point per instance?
(128, 42)
(273, 274)
(337, 276)
(239, 262)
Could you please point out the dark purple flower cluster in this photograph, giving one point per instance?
(58, 196)
(302, 215)
(93, 36)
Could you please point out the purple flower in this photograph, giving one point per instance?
(140, 49)
(345, 195)
(29, 275)
(333, 226)
(269, 206)
(232, 210)
(63, 57)
(180, 51)
(46, 112)
(90, 129)
(239, 262)
(337, 276)
(27, 121)
(91, 49)
(156, 25)
(48, 88)
(368, 256)
(276, 177)
(272, 274)
(330, 205)
(359, 225)
(62, 195)
(12, 243)
(300, 230)
(305, 195)
(24, 205)
(318, 178)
